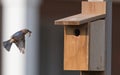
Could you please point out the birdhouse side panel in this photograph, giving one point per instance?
(97, 45)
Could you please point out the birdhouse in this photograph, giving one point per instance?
(84, 38)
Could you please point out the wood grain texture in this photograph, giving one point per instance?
(98, 7)
(75, 48)
(79, 19)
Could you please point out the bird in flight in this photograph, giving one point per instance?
(19, 39)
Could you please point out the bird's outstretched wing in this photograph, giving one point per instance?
(21, 45)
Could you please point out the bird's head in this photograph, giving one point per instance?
(25, 31)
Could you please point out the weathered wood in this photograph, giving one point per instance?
(79, 19)
(75, 48)
(97, 46)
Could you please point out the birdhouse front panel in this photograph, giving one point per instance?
(76, 47)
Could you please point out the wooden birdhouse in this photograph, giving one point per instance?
(84, 38)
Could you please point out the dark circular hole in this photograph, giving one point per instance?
(77, 32)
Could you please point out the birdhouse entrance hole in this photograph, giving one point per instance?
(76, 32)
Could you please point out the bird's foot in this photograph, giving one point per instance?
(22, 50)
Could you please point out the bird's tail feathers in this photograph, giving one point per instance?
(7, 44)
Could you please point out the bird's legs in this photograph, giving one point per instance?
(22, 50)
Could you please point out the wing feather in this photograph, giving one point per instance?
(21, 45)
